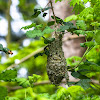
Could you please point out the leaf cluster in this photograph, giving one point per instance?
(6, 50)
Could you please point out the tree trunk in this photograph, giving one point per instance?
(8, 37)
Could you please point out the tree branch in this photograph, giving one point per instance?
(53, 11)
(45, 83)
(26, 58)
(39, 50)
(73, 37)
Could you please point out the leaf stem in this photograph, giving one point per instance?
(53, 11)
(55, 35)
(88, 49)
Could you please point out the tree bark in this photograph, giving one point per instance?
(8, 37)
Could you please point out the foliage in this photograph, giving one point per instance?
(4, 92)
(8, 75)
(87, 23)
(57, 0)
(26, 7)
(6, 50)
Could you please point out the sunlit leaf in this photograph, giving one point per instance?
(22, 82)
(74, 2)
(81, 24)
(97, 37)
(8, 75)
(70, 18)
(34, 33)
(57, 0)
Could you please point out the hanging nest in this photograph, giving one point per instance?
(56, 62)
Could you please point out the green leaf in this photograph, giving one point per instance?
(46, 95)
(96, 8)
(86, 11)
(70, 18)
(36, 13)
(1, 47)
(22, 82)
(74, 92)
(3, 93)
(33, 79)
(74, 2)
(38, 27)
(34, 33)
(62, 94)
(74, 60)
(78, 75)
(85, 1)
(36, 77)
(82, 45)
(51, 23)
(48, 30)
(90, 34)
(44, 14)
(29, 26)
(95, 24)
(97, 37)
(58, 20)
(79, 32)
(8, 75)
(67, 26)
(88, 44)
(78, 8)
(57, 0)
(44, 9)
(81, 24)
(75, 74)
(89, 66)
(84, 83)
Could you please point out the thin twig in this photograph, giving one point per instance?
(53, 12)
(48, 82)
(47, 4)
(26, 58)
(55, 25)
